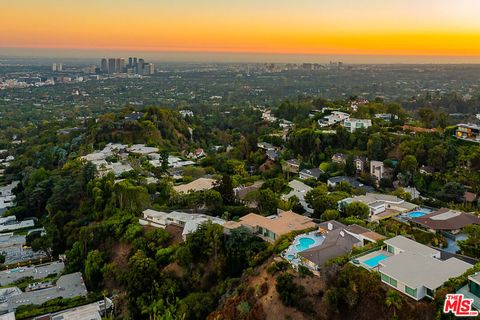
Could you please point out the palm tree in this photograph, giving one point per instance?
(393, 300)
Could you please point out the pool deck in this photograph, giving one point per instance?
(371, 255)
(405, 217)
(292, 250)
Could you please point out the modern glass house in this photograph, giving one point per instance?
(472, 290)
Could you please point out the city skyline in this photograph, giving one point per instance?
(402, 30)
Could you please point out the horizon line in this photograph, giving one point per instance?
(231, 56)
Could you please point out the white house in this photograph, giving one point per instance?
(10, 223)
(299, 189)
(7, 198)
(333, 118)
(379, 203)
(354, 124)
(377, 170)
(417, 270)
(189, 221)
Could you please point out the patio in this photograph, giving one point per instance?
(300, 243)
(370, 260)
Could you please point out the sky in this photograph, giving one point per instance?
(286, 28)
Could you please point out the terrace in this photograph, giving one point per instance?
(420, 212)
(301, 243)
(410, 267)
(371, 260)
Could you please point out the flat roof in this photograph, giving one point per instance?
(196, 185)
(417, 270)
(409, 245)
(8, 316)
(374, 198)
(299, 186)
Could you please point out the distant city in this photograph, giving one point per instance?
(61, 73)
(134, 66)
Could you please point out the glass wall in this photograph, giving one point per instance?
(474, 288)
(411, 292)
(389, 280)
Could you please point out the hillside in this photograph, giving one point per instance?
(346, 293)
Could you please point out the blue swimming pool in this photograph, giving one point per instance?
(304, 243)
(373, 262)
(420, 212)
(416, 214)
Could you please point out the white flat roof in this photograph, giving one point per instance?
(417, 270)
(447, 215)
(408, 245)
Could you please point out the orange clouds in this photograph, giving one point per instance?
(407, 27)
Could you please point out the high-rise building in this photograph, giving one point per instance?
(112, 62)
(140, 66)
(119, 65)
(104, 65)
(148, 69)
(135, 61)
(57, 67)
(130, 62)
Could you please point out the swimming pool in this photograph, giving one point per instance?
(416, 214)
(419, 213)
(290, 257)
(304, 243)
(373, 262)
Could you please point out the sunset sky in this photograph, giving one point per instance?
(344, 27)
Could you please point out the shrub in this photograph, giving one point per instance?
(304, 272)
(291, 294)
(278, 266)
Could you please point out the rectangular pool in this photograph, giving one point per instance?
(373, 262)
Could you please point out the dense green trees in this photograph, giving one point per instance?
(95, 220)
(358, 210)
(292, 294)
(267, 201)
(321, 200)
(393, 301)
(130, 197)
(225, 188)
(93, 268)
(471, 246)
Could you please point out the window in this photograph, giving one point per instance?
(430, 292)
(388, 280)
(411, 292)
(393, 282)
(474, 288)
(390, 249)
